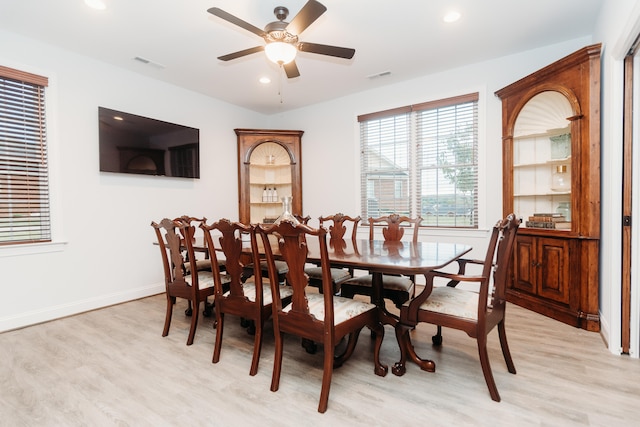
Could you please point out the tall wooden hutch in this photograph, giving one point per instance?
(551, 174)
(269, 168)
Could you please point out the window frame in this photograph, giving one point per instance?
(33, 148)
(469, 219)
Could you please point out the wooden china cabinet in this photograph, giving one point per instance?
(551, 174)
(269, 168)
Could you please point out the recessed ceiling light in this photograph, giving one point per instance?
(265, 80)
(452, 16)
(96, 4)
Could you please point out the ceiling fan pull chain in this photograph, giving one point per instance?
(280, 84)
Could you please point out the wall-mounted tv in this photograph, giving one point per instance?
(140, 145)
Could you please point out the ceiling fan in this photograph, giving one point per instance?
(281, 37)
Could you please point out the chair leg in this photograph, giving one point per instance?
(257, 346)
(217, 348)
(327, 373)
(167, 316)
(338, 360)
(194, 324)
(502, 333)
(437, 338)
(486, 368)
(277, 362)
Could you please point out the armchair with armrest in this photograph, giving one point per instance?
(475, 312)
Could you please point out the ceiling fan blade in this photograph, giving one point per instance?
(291, 69)
(307, 15)
(323, 49)
(236, 21)
(241, 53)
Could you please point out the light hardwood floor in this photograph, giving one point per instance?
(111, 367)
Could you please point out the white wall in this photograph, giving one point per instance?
(104, 219)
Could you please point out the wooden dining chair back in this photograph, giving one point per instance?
(248, 299)
(338, 227)
(474, 311)
(282, 266)
(201, 264)
(175, 238)
(320, 317)
(398, 289)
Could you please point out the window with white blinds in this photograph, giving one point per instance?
(24, 182)
(422, 160)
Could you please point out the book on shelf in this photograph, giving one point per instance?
(547, 218)
(557, 225)
(552, 214)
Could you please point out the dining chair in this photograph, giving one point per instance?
(280, 265)
(195, 288)
(474, 311)
(398, 289)
(248, 299)
(337, 231)
(201, 264)
(319, 317)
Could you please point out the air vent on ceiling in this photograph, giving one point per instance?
(148, 62)
(378, 75)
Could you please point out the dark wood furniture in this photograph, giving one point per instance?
(201, 264)
(337, 230)
(551, 155)
(396, 288)
(245, 298)
(475, 312)
(195, 288)
(394, 257)
(319, 317)
(269, 161)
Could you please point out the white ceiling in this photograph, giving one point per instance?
(404, 37)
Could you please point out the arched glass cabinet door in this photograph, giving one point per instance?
(269, 168)
(542, 162)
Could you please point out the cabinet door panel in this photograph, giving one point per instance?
(524, 264)
(553, 279)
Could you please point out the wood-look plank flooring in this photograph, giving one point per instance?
(111, 367)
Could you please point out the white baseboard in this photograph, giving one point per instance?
(75, 307)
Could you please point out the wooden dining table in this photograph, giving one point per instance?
(380, 257)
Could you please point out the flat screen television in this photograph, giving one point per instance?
(140, 145)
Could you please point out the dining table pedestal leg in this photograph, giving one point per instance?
(407, 349)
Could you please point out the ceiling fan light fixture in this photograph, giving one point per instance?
(96, 4)
(281, 53)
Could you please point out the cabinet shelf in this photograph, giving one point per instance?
(550, 162)
(544, 194)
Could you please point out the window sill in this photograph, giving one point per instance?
(31, 249)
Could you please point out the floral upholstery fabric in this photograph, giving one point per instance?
(343, 308)
(338, 275)
(396, 283)
(249, 289)
(205, 279)
(452, 301)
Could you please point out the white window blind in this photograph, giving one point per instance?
(24, 183)
(422, 160)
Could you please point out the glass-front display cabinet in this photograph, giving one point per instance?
(551, 176)
(269, 169)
